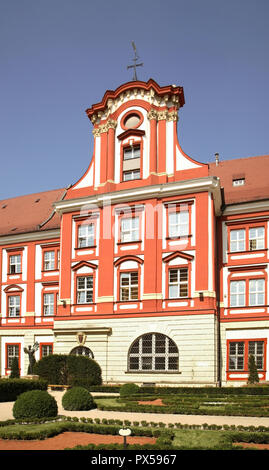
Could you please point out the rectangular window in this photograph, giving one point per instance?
(236, 355)
(14, 305)
(256, 291)
(131, 175)
(178, 224)
(48, 304)
(238, 240)
(237, 293)
(240, 351)
(15, 264)
(256, 238)
(129, 229)
(256, 349)
(85, 290)
(12, 351)
(129, 286)
(85, 235)
(46, 349)
(49, 260)
(178, 283)
(131, 152)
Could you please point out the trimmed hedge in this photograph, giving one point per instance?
(63, 369)
(10, 389)
(129, 389)
(35, 404)
(78, 399)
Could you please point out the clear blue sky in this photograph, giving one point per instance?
(58, 57)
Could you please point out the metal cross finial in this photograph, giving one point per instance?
(135, 64)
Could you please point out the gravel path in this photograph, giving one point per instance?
(6, 413)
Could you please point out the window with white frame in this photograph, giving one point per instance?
(237, 293)
(178, 224)
(131, 152)
(129, 229)
(131, 164)
(46, 350)
(131, 175)
(256, 238)
(85, 235)
(15, 264)
(178, 283)
(129, 286)
(256, 291)
(153, 352)
(84, 289)
(48, 304)
(49, 260)
(14, 305)
(238, 240)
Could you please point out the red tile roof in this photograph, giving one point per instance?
(255, 171)
(30, 213)
(35, 212)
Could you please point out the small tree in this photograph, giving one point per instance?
(253, 376)
(15, 370)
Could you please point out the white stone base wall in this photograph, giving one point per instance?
(194, 335)
(110, 340)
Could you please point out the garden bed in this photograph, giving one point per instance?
(71, 439)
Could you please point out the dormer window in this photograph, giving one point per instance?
(239, 182)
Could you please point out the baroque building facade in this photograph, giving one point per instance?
(153, 264)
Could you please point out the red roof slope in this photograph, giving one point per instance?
(30, 213)
(255, 171)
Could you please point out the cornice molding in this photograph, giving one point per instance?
(30, 236)
(197, 185)
(245, 207)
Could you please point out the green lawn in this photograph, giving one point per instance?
(205, 440)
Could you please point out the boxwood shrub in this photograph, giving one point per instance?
(129, 389)
(63, 369)
(78, 398)
(35, 404)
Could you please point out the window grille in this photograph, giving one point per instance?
(82, 351)
(236, 355)
(153, 352)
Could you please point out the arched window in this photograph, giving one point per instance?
(82, 351)
(153, 352)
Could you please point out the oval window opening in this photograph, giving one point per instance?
(132, 121)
